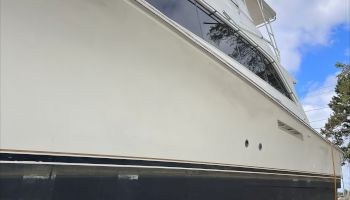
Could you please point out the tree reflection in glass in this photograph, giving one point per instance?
(242, 51)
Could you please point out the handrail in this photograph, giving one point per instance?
(269, 31)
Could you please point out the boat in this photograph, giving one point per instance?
(153, 99)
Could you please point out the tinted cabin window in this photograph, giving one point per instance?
(198, 20)
(184, 12)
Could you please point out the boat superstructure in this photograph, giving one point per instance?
(152, 99)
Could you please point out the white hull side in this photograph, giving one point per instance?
(109, 78)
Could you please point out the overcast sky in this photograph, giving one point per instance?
(312, 36)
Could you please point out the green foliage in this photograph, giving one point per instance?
(337, 129)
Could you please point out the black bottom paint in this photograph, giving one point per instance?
(47, 181)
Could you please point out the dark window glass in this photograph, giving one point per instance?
(198, 20)
(183, 12)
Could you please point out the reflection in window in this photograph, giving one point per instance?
(198, 20)
(183, 12)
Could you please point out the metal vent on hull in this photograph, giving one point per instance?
(289, 129)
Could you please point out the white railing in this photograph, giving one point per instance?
(269, 30)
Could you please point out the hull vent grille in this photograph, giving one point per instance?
(288, 129)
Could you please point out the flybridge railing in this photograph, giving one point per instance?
(269, 30)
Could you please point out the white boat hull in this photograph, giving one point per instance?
(109, 79)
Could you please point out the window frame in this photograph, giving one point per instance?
(217, 16)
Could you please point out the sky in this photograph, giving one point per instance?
(312, 36)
